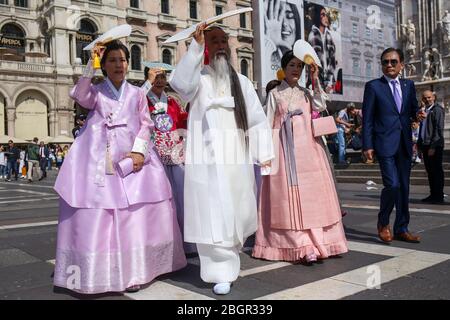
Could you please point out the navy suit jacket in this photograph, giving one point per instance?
(383, 126)
(46, 152)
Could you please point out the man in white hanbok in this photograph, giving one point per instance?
(227, 133)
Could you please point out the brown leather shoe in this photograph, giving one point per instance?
(384, 233)
(407, 237)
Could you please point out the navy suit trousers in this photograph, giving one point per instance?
(395, 172)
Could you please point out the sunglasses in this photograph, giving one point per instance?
(386, 62)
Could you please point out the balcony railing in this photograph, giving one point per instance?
(245, 33)
(95, 5)
(4, 8)
(135, 75)
(136, 14)
(25, 67)
(166, 19)
(17, 10)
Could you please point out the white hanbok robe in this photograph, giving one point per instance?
(219, 190)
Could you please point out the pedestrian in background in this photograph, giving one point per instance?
(431, 143)
(2, 163)
(65, 151)
(51, 156)
(43, 159)
(12, 155)
(22, 164)
(80, 121)
(59, 154)
(33, 159)
(344, 123)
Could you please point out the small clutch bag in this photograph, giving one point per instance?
(125, 167)
(324, 126)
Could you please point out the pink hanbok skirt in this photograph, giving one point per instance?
(104, 250)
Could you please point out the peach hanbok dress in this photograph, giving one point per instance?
(299, 212)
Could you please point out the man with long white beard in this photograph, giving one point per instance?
(227, 133)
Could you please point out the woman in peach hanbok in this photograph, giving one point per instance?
(299, 215)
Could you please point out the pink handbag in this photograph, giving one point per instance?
(324, 126)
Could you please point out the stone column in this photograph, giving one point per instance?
(73, 45)
(52, 120)
(11, 117)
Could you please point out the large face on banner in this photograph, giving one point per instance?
(323, 32)
(281, 23)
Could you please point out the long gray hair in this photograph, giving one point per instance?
(240, 109)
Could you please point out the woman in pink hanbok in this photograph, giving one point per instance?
(299, 215)
(117, 228)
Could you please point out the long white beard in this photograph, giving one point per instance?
(221, 74)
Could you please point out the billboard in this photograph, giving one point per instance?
(323, 32)
(280, 25)
(282, 22)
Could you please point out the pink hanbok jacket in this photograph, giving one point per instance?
(120, 119)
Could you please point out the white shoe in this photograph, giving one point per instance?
(222, 288)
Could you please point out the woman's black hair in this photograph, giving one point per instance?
(287, 56)
(111, 46)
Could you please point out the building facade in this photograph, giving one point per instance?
(423, 27)
(368, 27)
(41, 52)
(361, 31)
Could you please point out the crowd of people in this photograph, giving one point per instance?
(349, 124)
(148, 181)
(31, 161)
(148, 196)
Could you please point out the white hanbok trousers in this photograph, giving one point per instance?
(218, 264)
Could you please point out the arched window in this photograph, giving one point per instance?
(85, 35)
(135, 58)
(167, 56)
(244, 67)
(13, 38)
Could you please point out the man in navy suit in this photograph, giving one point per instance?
(44, 154)
(389, 106)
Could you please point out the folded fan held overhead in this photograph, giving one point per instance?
(115, 33)
(305, 52)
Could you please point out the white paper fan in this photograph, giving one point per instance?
(305, 52)
(187, 33)
(115, 33)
